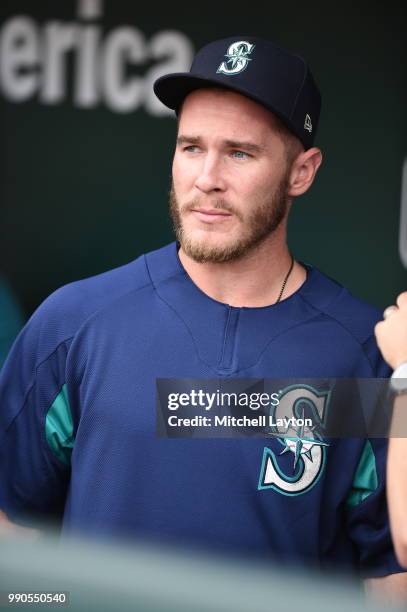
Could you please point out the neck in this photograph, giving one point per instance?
(254, 280)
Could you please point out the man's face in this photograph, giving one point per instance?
(230, 176)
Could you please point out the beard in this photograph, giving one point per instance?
(259, 224)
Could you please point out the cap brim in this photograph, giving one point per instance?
(172, 89)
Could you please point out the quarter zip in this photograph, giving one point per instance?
(227, 360)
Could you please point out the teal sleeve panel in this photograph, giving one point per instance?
(365, 482)
(59, 427)
(367, 515)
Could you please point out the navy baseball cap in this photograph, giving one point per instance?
(258, 69)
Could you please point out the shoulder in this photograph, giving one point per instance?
(331, 299)
(63, 313)
(67, 308)
(345, 316)
(58, 319)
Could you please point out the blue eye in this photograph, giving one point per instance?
(191, 148)
(240, 154)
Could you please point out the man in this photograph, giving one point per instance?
(391, 337)
(78, 392)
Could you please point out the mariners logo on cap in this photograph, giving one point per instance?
(237, 59)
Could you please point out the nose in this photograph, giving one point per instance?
(210, 175)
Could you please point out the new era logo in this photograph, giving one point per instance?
(308, 123)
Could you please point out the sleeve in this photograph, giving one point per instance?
(367, 516)
(367, 513)
(36, 428)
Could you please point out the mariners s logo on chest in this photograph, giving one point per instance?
(299, 465)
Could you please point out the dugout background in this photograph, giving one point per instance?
(84, 188)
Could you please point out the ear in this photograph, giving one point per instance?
(303, 171)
